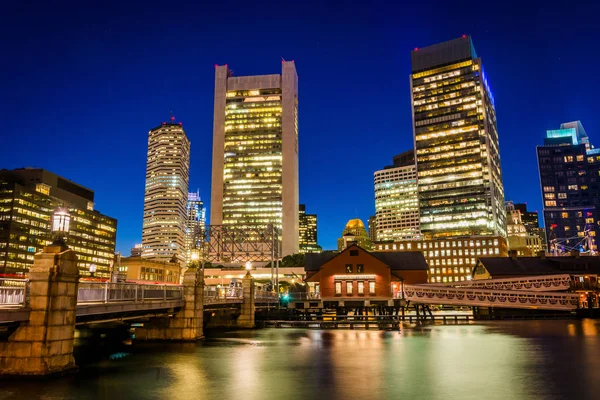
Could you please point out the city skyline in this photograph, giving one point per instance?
(324, 142)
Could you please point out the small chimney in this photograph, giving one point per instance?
(541, 254)
(512, 254)
(575, 253)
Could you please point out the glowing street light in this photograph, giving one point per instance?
(248, 266)
(60, 225)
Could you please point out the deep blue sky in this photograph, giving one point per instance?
(83, 82)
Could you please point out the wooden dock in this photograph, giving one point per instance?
(378, 322)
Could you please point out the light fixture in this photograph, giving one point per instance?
(60, 225)
(93, 268)
(248, 265)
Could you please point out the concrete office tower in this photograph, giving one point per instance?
(397, 201)
(255, 152)
(165, 200)
(194, 223)
(456, 142)
(308, 232)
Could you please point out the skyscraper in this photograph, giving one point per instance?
(355, 232)
(28, 198)
(308, 231)
(166, 193)
(255, 152)
(397, 201)
(194, 223)
(569, 175)
(456, 142)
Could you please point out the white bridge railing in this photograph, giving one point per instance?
(213, 295)
(108, 292)
(545, 283)
(474, 296)
(13, 292)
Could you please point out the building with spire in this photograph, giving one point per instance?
(166, 193)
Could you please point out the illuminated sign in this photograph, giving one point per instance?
(354, 277)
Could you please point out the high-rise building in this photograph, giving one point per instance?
(136, 250)
(531, 221)
(451, 259)
(519, 238)
(569, 175)
(372, 225)
(355, 232)
(166, 194)
(308, 231)
(397, 201)
(255, 152)
(194, 223)
(28, 198)
(456, 142)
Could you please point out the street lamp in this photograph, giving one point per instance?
(60, 225)
(248, 267)
(195, 255)
(92, 270)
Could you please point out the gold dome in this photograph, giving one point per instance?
(355, 223)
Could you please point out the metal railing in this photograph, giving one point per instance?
(215, 295)
(265, 295)
(108, 292)
(13, 292)
(428, 294)
(304, 296)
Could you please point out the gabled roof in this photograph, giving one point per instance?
(504, 266)
(396, 260)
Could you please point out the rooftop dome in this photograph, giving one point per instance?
(355, 223)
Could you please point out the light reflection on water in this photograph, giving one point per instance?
(495, 360)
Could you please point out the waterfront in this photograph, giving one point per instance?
(495, 360)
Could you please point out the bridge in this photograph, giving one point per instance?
(105, 301)
(532, 292)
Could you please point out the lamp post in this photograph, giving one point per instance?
(92, 270)
(248, 266)
(60, 226)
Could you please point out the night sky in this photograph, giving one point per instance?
(82, 84)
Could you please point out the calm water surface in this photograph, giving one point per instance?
(499, 360)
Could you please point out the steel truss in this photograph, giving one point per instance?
(231, 244)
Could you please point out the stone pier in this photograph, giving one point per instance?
(186, 325)
(246, 318)
(44, 344)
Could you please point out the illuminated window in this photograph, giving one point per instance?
(550, 203)
(568, 158)
(572, 187)
(548, 188)
(349, 287)
(564, 215)
(338, 288)
(579, 158)
(361, 287)
(562, 195)
(348, 268)
(372, 287)
(549, 195)
(360, 268)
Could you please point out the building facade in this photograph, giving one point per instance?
(144, 270)
(355, 233)
(308, 231)
(357, 277)
(451, 259)
(532, 224)
(28, 198)
(519, 239)
(372, 225)
(569, 175)
(136, 250)
(255, 152)
(397, 201)
(456, 142)
(194, 223)
(166, 193)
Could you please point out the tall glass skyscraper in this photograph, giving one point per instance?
(255, 152)
(194, 223)
(166, 194)
(397, 201)
(456, 142)
(570, 179)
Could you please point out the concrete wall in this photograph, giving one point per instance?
(44, 344)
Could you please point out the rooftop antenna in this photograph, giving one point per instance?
(282, 60)
(172, 118)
